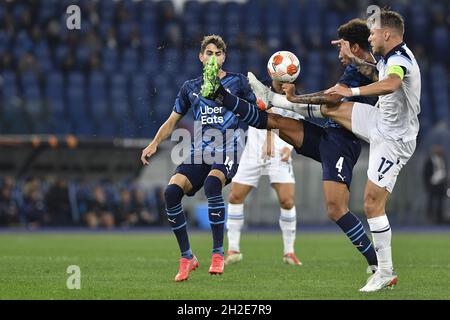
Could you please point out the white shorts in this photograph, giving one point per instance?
(250, 170)
(386, 156)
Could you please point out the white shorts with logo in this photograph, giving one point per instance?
(251, 169)
(386, 156)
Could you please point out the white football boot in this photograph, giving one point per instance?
(380, 280)
(233, 257)
(262, 93)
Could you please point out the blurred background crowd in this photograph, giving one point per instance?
(118, 76)
(36, 202)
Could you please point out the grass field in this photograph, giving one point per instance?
(143, 265)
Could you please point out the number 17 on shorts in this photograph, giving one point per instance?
(383, 171)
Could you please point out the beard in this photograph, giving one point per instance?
(378, 51)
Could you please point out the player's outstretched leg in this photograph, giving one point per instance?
(268, 99)
(216, 213)
(188, 262)
(213, 90)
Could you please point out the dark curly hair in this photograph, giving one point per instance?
(355, 31)
(214, 39)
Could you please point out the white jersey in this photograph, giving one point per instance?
(257, 137)
(399, 110)
(253, 164)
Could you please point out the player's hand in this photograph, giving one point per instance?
(285, 154)
(339, 90)
(147, 153)
(277, 86)
(344, 47)
(289, 90)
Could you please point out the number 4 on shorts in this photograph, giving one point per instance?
(339, 164)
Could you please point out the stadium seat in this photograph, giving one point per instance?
(311, 25)
(110, 60)
(129, 61)
(83, 127)
(105, 129)
(140, 95)
(126, 127)
(82, 56)
(440, 40)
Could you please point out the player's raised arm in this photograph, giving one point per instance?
(320, 97)
(164, 131)
(389, 85)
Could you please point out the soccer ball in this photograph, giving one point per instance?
(283, 66)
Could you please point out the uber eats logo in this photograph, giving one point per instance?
(211, 115)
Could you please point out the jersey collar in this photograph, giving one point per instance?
(393, 50)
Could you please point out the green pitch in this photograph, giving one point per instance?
(142, 266)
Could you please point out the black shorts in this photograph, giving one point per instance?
(197, 173)
(336, 148)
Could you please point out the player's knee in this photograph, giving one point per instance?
(286, 203)
(335, 210)
(274, 121)
(173, 195)
(371, 205)
(212, 186)
(235, 198)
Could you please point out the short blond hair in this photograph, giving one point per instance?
(394, 20)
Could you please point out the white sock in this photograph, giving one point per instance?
(288, 225)
(235, 221)
(381, 235)
(280, 101)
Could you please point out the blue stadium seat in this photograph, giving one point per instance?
(172, 61)
(33, 102)
(124, 31)
(119, 98)
(10, 90)
(4, 41)
(440, 40)
(140, 95)
(105, 128)
(76, 97)
(332, 22)
(149, 41)
(110, 60)
(129, 61)
(98, 100)
(149, 17)
(76, 80)
(126, 127)
(54, 85)
(192, 6)
(82, 56)
(83, 126)
(23, 43)
(46, 12)
(60, 53)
